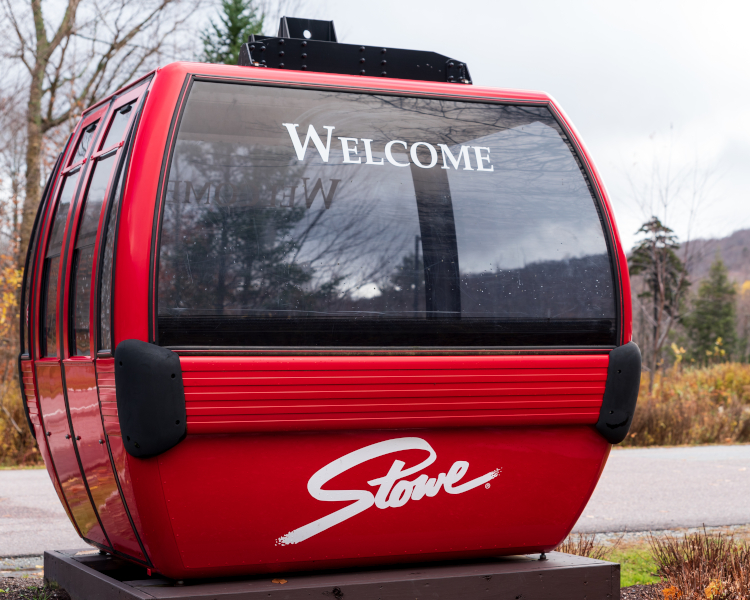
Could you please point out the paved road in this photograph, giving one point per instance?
(31, 517)
(668, 488)
(640, 489)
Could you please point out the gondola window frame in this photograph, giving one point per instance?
(568, 137)
(49, 332)
(27, 285)
(110, 223)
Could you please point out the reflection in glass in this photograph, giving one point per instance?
(61, 214)
(83, 143)
(49, 310)
(48, 330)
(83, 263)
(105, 298)
(27, 292)
(117, 128)
(84, 256)
(422, 222)
(94, 200)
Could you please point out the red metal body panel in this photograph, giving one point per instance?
(232, 395)
(52, 402)
(105, 375)
(268, 436)
(237, 524)
(83, 402)
(30, 387)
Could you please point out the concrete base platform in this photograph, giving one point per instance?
(89, 576)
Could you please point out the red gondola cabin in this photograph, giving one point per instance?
(333, 307)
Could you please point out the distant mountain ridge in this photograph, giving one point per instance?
(733, 249)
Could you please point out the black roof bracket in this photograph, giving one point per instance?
(311, 45)
(307, 29)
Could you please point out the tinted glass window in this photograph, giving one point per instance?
(49, 320)
(31, 260)
(118, 126)
(84, 256)
(52, 262)
(26, 310)
(61, 215)
(105, 299)
(29, 268)
(309, 218)
(83, 264)
(95, 197)
(84, 143)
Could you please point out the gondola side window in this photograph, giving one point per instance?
(311, 218)
(26, 308)
(84, 257)
(48, 331)
(118, 126)
(29, 267)
(84, 143)
(108, 255)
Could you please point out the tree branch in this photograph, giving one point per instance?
(65, 29)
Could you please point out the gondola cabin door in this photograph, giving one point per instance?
(50, 375)
(70, 339)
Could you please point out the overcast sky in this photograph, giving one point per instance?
(642, 81)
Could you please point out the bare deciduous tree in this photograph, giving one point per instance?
(12, 139)
(67, 61)
(57, 59)
(667, 192)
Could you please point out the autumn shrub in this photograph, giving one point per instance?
(17, 445)
(704, 566)
(582, 544)
(691, 405)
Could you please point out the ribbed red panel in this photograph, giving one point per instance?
(242, 394)
(105, 379)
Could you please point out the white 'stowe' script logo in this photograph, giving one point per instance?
(351, 149)
(394, 489)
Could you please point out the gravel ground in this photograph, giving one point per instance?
(29, 589)
(641, 592)
(23, 566)
(626, 539)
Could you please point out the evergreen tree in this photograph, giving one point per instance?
(711, 327)
(237, 21)
(655, 258)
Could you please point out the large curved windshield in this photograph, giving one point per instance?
(296, 217)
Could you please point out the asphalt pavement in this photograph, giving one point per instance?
(31, 517)
(643, 489)
(640, 490)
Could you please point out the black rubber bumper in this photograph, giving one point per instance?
(620, 393)
(150, 398)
